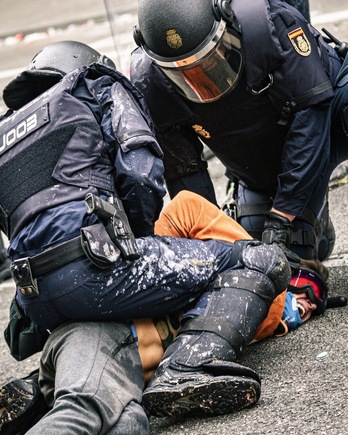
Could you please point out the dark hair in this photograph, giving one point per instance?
(317, 266)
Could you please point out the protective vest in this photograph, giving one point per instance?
(52, 152)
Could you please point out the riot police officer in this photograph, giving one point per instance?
(84, 188)
(254, 82)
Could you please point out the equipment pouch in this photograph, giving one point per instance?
(98, 246)
(23, 337)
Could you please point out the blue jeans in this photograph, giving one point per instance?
(92, 378)
(170, 274)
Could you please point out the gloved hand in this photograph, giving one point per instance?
(277, 230)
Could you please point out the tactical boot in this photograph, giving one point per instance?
(21, 405)
(217, 387)
(198, 374)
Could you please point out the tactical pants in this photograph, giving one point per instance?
(159, 283)
(89, 367)
(195, 218)
(311, 237)
(92, 374)
(169, 275)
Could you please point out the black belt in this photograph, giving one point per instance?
(25, 270)
(56, 257)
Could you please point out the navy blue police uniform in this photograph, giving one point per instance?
(100, 109)
(272, 132)
(90, 134)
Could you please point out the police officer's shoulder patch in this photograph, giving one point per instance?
(300, 42)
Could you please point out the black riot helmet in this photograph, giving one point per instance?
(197, 44)
(47, 68)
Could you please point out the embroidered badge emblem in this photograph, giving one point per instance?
(173, 39)
(300, 42)
(201, 131)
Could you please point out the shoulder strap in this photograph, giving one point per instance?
(300, 101)
(263, 53)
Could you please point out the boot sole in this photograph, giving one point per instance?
(221, 395)
(26, 408)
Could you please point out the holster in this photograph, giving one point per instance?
(98, 246)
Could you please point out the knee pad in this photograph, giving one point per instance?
(267, 260)
(248, 281)
(313, 237)
(303, 239)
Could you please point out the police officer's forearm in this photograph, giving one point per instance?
(306, 159)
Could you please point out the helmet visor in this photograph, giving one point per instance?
(211, 72)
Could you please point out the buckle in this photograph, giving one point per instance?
(302, 237)
(231, 210)
(23, 277)
(265, 87)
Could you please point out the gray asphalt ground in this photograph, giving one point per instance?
(300, 394)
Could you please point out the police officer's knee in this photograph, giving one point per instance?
(271, 261)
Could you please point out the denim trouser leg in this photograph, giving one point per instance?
(90, 372)
(133, 421)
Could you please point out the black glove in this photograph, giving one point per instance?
(277, 230)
